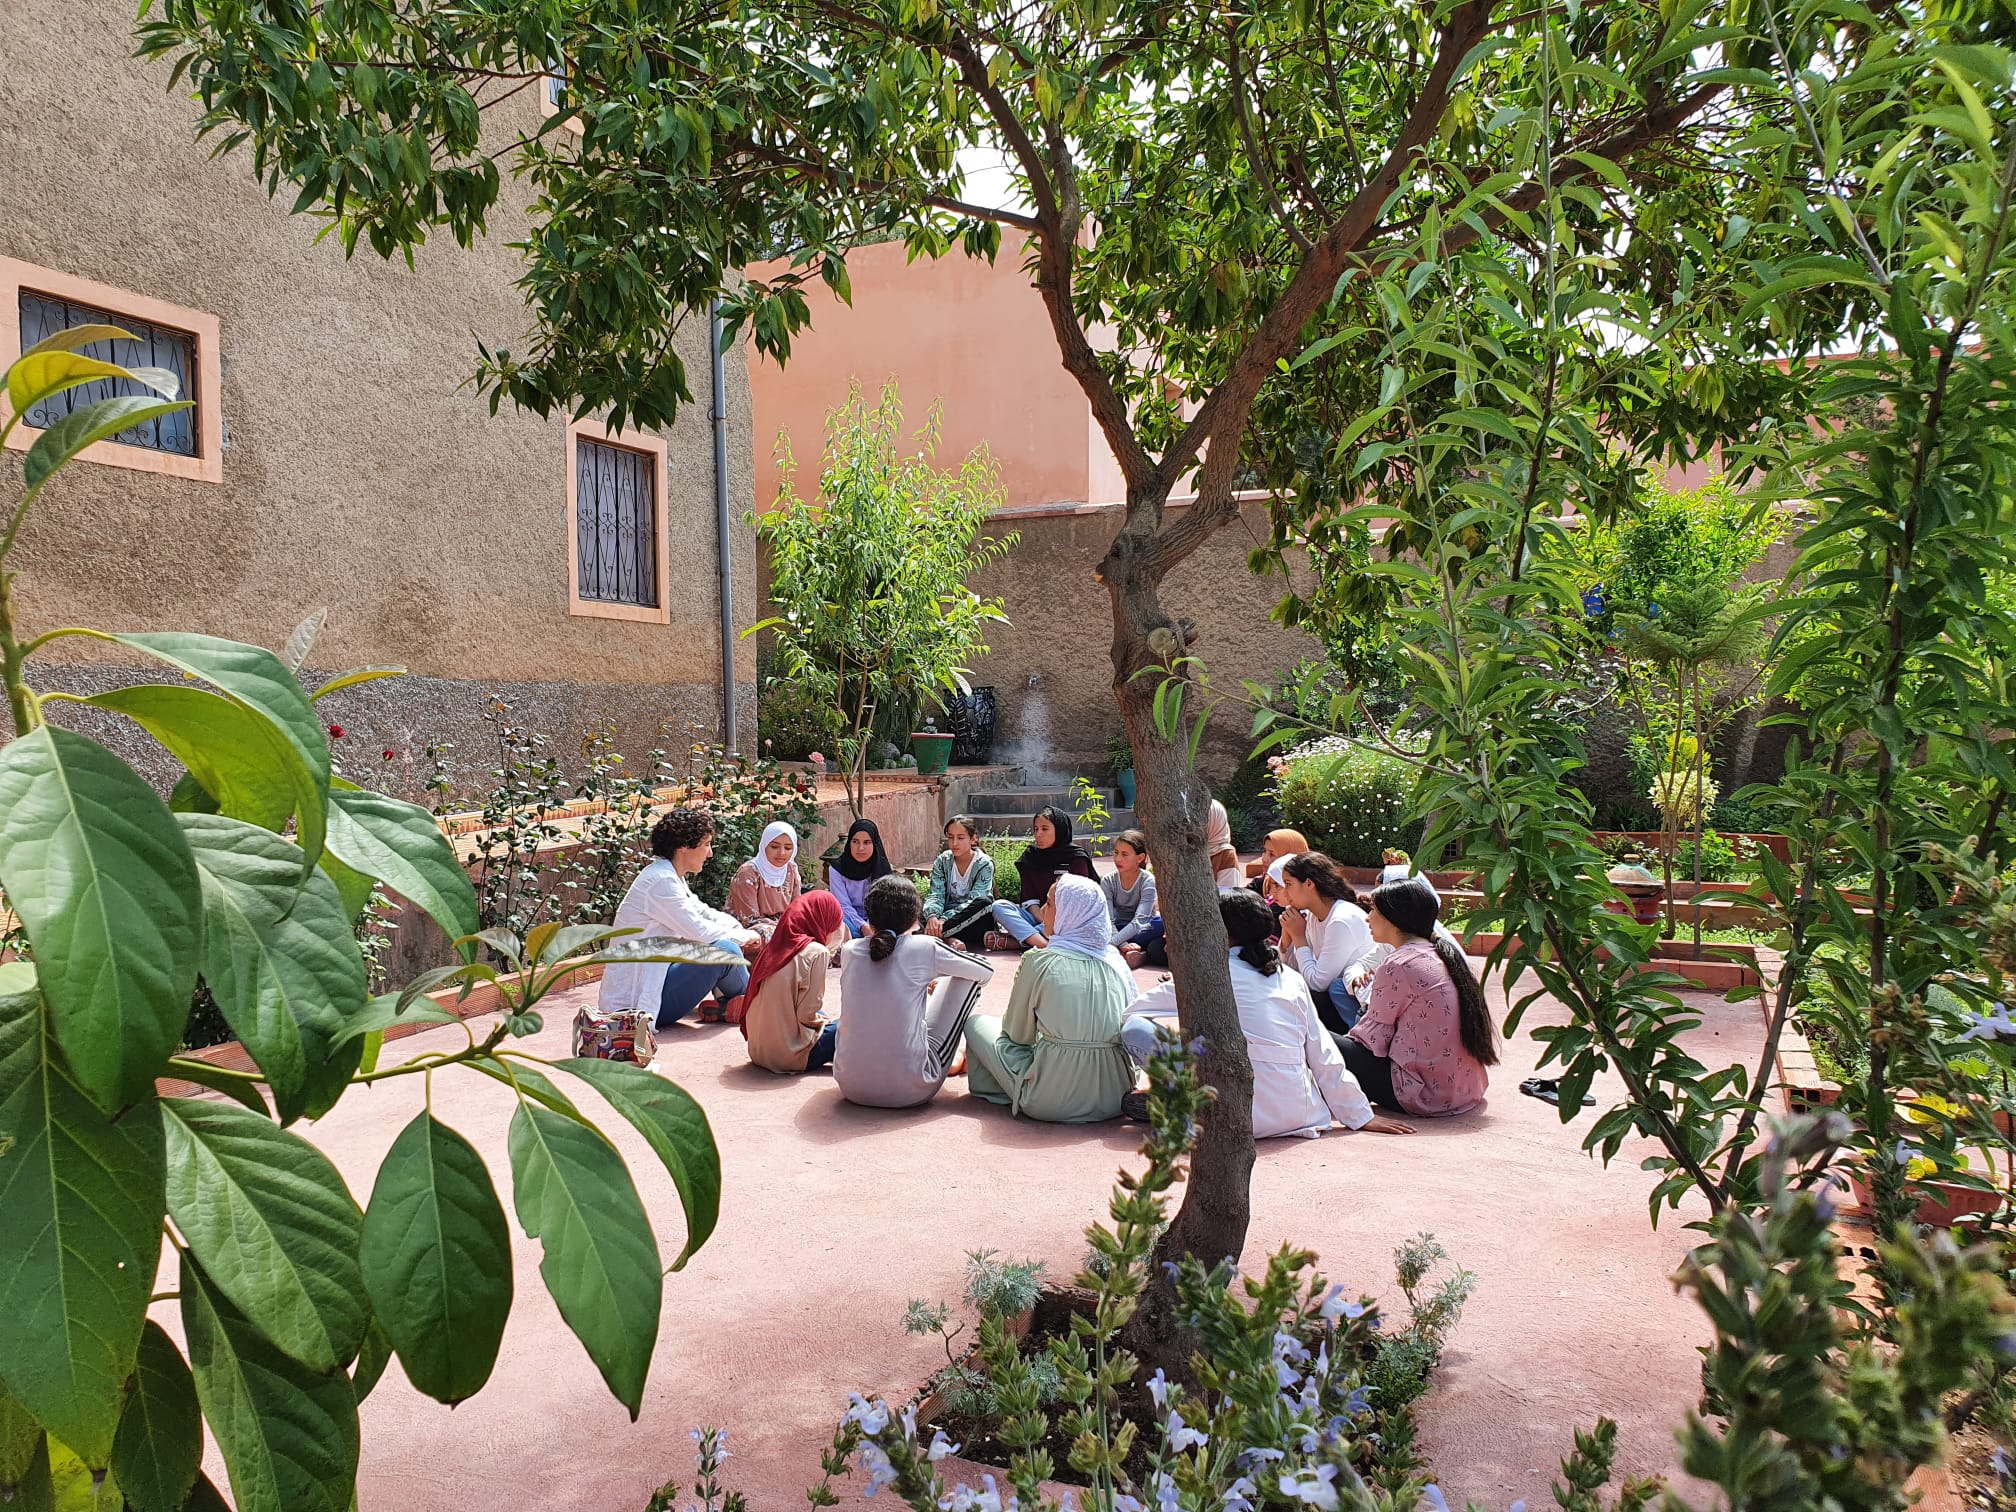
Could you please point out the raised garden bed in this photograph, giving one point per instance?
(1779, 845)
(1720, 968)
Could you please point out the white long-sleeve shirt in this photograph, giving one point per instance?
(661, 903)
(1336, 941)
(1300, 1082)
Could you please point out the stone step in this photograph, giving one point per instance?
(1027, 801)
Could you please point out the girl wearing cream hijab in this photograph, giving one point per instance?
(768, 882)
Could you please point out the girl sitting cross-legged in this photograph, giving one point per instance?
(1055, 1054)
(1130, 888)
(904, 998)
(1300, 1083)
(1053, 855)
(768, 882)
(860, 862)
(960, 906)
(660, 903)
(784, 1023)
(1323, 932)
(1426, 1041)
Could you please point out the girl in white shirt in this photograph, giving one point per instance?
(1300, 1082)
(1324, 933)
(660, 904)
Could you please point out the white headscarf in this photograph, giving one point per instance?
(1084, 925)
(1278, 872)
(773, 876)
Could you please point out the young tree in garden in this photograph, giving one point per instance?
(1212, 201)
(869, 579)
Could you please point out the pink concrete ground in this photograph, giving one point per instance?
(833, 1217)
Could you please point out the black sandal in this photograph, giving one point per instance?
(1548, 1090)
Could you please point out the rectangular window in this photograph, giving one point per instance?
(37, 303)
(44, 315)
(615, 524)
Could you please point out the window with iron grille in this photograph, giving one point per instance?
(43, 315)
(615, 524)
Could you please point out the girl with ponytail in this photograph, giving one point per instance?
(1300, 1083)
(1426, 1039)
(904, 999)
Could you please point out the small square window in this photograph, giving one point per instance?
(44, 315)
(615, 538)
(36, 303)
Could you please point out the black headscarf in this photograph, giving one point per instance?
(1054, 858)
(875, 866)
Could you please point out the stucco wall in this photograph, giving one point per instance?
(1062, 635)
(358, 473)
(970, 336)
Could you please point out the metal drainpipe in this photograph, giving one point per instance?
(721, 530)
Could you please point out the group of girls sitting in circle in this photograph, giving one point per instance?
(1355, 1009)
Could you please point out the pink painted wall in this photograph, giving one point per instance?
(959, 332)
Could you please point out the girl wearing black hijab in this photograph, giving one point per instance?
(1053, 855)
(854, 870)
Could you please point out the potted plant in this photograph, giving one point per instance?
(1120, 757)
(932, 747)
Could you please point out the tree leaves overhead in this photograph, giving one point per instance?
(93, 863)
(437, 1259)
(80, 1204)
(600, 1260)
(279, 957)
(288, 1434)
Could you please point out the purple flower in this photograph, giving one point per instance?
(872, 1417)
(1158, 1388)
(941, 1446)
(1335, 1306)
(1313, 1487)
(1238, 1497)
(880, 1472)
(1432, 1495)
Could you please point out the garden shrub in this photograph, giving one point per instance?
(1352, 803)
(791, 720)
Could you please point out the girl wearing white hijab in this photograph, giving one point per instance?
(768, 882)
(1055, 1054)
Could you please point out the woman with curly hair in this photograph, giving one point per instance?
(661, 903)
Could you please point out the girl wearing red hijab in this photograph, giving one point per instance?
(786, 1031)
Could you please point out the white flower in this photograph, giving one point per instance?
(1239, 1495)
(1180, 1435)
(1312, 1487)
(1158, 1388)
(880, 1472)
(1432, 1495)
(941, 1446)
(873, 1416)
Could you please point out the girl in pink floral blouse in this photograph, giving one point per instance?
(1426, 1036)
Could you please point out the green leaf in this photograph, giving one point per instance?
(288, 1435)
(82, 427)
(402, 846)
(74, 1487)
(19, 1434)
(70, 338)
(600, 1263)
(35, 378)
(258, 681)
(160, 1441)
(352, 678)
(81, 1198)
(437, 1260)
(32, 1489)
(205, 1498)
(280, 959)
(96, 867)
(675, 1127)
(273, 1226)
(219, 1079)
(373, 1355)
(223, 744)
(383, 1012)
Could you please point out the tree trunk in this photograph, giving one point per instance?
(1173, 804)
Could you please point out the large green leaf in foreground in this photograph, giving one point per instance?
(97, 869)
(575, 1196)
(80, 1232)
(272, 1224)
(676, 1128)
(437, 1259)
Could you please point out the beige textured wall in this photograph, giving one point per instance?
(1063, 631)
(358, 473)
(959, 332)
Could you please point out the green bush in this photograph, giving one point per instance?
(792, 721)
(1352, 803)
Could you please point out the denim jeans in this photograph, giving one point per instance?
(686, 985)
(1347, 1007)
(822, 1052)
(1016, 920)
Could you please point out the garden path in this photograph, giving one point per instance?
(833, 1217)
